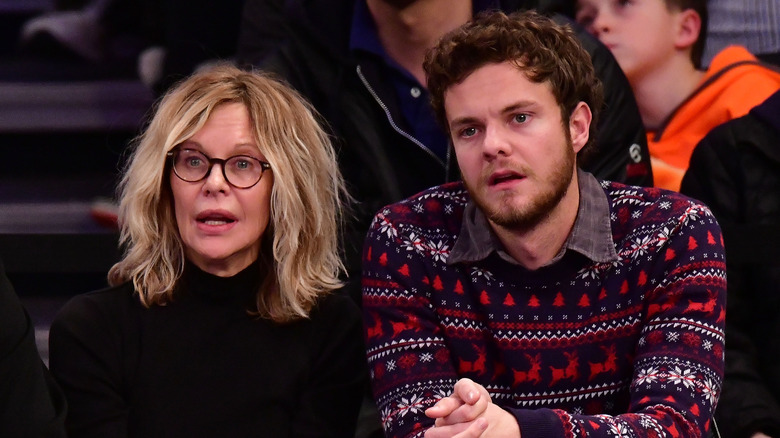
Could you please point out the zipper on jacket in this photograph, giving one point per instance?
(397, 128)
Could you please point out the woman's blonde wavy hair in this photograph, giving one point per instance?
(300, 247)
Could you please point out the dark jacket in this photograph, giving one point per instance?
(307, 43)
(31, 403)
(735, 170)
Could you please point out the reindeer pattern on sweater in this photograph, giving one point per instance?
(631, 348)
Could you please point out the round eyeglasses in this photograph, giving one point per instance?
(240, 171)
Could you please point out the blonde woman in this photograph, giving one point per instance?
(223, 317)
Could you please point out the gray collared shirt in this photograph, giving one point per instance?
(590, 236)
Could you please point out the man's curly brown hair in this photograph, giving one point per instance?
(540, 48)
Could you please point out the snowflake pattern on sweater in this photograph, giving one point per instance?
(632, 348)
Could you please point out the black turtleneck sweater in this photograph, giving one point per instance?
(201, 366)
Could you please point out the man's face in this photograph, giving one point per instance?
(516, 157)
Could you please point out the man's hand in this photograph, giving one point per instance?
(469, 413)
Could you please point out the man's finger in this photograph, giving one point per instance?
(465, 413)
(472, 429)
(475, 430)
(443, 407)
(467, 390)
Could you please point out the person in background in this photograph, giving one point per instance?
(360, 63)
(753, 24)
(159, 42)
(31, 403)
(531, 299)
(735, 170)
(659, 46)
(224, 316)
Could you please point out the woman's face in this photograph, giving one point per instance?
(221, 225)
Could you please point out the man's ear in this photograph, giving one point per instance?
(688, 28)
(579, 126)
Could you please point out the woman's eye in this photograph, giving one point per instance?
(243, 164)
(194, 162)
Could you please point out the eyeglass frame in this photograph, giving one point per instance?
(264, 165)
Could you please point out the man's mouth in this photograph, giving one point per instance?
(503, 177)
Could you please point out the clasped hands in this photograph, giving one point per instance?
(470, 412)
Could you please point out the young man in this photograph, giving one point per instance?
(659, 46)
(530, 298)
(360, 63)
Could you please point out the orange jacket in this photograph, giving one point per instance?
(735, 82)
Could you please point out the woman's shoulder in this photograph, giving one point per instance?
(106, 304)
(335, 336)
(334, 313)
(335, 304)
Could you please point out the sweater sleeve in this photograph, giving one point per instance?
(678, 362)
(85, 359)
(679, 359)
(398, 318)
(328, 406)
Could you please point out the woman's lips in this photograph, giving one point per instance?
(215, 220)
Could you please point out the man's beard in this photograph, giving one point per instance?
(504, 214)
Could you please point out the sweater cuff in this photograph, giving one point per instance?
(538, 423)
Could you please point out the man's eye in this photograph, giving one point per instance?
(521, 118)
(468, 132)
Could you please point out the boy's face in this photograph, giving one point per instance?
(640, 33)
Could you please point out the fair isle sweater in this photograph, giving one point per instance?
(577, 348)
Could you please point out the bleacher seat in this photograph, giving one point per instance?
(64, 128)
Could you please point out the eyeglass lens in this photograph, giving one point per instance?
(241, 171)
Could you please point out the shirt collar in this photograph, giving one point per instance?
(590, 236)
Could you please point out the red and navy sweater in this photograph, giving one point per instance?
(574, 349)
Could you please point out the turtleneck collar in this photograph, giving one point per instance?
(241, 288)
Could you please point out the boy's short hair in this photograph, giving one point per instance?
(700, 7)
(540, 48)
